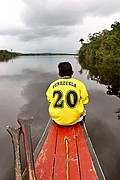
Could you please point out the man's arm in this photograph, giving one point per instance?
(84, 95)
(48, 94)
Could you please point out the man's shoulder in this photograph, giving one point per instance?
(54, 82)
(76, 80)
(79, 83)
(60, 80)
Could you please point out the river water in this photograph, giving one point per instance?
(23, 83)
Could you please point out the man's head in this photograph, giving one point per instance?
(65, 69)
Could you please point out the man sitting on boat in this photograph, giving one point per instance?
(67, 97)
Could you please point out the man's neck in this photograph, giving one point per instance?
(66, 77)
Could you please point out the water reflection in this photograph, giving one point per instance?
(23, 82)
(107, 74)
(22, 94)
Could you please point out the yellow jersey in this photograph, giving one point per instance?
(67, 97)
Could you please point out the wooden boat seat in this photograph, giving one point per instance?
(65, 155)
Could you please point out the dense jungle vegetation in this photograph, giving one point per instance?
(101, 57)
(6, 55)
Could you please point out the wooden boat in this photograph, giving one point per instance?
(66, 154)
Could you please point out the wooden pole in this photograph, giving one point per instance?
(15, 135)
(26, 130)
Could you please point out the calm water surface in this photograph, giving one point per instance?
(23, 82)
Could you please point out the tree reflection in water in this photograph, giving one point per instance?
(107, 74)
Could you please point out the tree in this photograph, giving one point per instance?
(81, 40)
(101, 56)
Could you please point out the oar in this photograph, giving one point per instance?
(15, 134)
(26, 130)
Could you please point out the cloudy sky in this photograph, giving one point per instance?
(53, 25)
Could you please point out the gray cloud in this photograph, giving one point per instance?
(50, 14)
(12, 31)
(43, 18)
(55, 18)
(31, 33)
(65, 13)
(45, 31)
(60, 19)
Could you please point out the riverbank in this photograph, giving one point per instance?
(49, 54)
(7, 55)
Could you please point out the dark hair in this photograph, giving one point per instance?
(65, 69)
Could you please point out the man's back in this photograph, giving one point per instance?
(67, 97)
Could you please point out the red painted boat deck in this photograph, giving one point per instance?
(65, 155)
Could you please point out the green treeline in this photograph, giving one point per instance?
(6, 55)
(101, 56)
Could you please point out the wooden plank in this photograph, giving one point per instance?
(86, 165)
(66, 161)
(45, 161)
